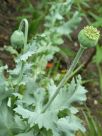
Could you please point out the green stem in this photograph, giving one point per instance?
(21, 73)
(23, 23)
(100, 77)
(76, 71)
(66, 77)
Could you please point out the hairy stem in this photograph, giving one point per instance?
(100, 77)
(24, 24)
(66, 77)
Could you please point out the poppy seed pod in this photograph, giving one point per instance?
(88, 37)
(17, 39)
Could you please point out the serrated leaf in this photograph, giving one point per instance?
(29, 87)
(45, 120)
(69, 125)
(4, 88)
(38, 47)
(57, 13)
(16, 70)
(70, 25)
(8, 125)
(69, 94)
(11, 50)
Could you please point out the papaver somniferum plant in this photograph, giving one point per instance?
(31, 103)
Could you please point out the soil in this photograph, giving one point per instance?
(8, 14)
(8, 22)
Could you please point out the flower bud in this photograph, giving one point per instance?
(88, 37)
(17, 39)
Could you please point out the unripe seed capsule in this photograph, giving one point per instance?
(88, 37)
(17, 39)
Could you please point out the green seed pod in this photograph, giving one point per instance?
(17, 39)
(88, 37)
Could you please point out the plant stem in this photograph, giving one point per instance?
(66, 77)
(100, 77)
(24, 22)
(23, 25)
(76, 70)
(21, 73)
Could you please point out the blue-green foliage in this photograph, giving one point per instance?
(27, 89)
